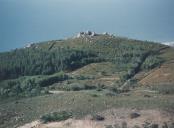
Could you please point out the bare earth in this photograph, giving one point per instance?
(112, 117)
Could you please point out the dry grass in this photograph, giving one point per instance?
(79, 103)
(113, 117)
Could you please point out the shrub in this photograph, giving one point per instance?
(94, 95)
(151, 62)
(110, 94)
(89, 87)
(80, 77)
(49, 80)
(76, 87)
(114, 89)
(56, 116)
(100, 87)
(134, 115)
(97, 117)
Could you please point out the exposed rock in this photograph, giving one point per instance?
(93, 34)
(86, 34)
(105, 33)
(29, 45)
(78, 35)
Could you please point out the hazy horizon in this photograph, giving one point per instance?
(41, 20)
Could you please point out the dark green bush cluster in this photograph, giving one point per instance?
(97, 117)
(56, 116)
(134, 115)
(30, 86)
(25, 88)
(100, 87)
(75, 87)
(151, 62)
(33, 61)
(51, 79)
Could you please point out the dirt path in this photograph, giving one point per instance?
(34, 124)
(56, 92)
(150, 91)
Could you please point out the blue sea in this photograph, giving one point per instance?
(25, 21)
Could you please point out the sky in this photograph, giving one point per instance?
(26, 21)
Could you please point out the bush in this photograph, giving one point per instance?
(134, 115)
(89, 87)
(49, 80)
(76, 87)
(110, 94)
(97, 117)
(28, 86)
(56, 116)
(114, 89)
(151, 62)
(94, 95)
(100, 87)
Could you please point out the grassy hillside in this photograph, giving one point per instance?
(126, 56)
(84, 76)
(53, 56)
(78, 103)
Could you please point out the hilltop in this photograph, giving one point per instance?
(85, 75)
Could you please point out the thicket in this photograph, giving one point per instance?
(56, 116)
(29, 86)
(42, 62)
(151, 62)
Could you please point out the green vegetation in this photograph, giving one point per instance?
(31, 68)
(78, 103)
(40, 59)
(151, 62)
(126, 56)
(97, 117)
(56, 116)
(85, 76)
(74, 87)
(41, 62)
(30, 85)
(165, 88)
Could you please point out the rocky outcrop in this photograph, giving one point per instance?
(29, 45)
(86, 34)
(91, 34)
